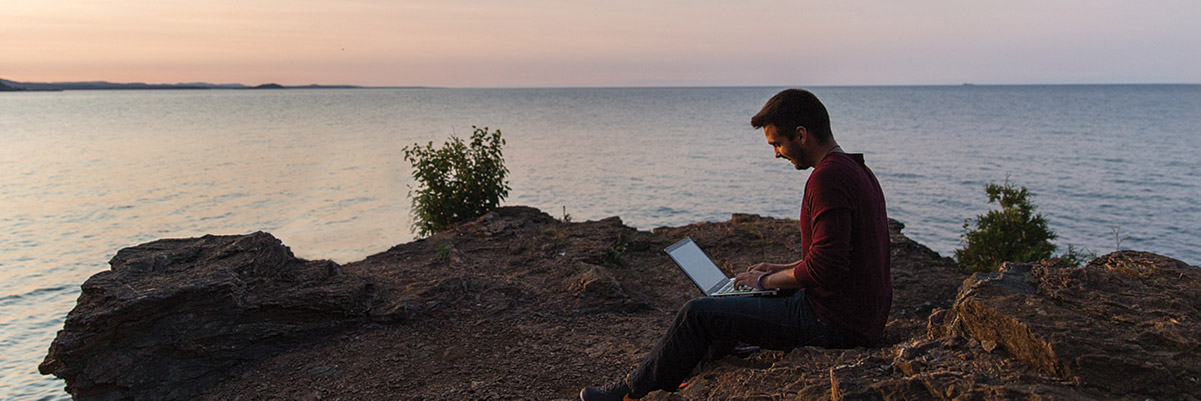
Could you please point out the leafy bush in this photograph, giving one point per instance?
(458, 181)
(1013, 234)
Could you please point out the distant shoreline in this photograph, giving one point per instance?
(14, 86)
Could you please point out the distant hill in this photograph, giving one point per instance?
(6, 85)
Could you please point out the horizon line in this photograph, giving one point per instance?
(417, 86)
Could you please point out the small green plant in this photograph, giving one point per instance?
(1077, 256)
(445, 248)
(615, 254)
(458, 181)
(1012, 234)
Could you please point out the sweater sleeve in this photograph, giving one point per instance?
(828, 261)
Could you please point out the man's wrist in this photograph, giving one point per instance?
(759, 281)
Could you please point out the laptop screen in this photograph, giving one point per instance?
(693, 261)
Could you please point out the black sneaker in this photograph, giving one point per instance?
(616, 391)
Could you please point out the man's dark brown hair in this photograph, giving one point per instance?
(792, 108)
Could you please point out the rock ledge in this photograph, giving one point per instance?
(518, 305)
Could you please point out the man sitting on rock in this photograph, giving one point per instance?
(843, 277)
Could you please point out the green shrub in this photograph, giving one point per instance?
(458, 181)
(1013, 234)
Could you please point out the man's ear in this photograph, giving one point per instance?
(800, 133)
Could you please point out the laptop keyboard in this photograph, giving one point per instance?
(729, 288)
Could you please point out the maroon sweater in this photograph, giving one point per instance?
(845, 249)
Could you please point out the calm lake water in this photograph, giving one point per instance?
(85, 173)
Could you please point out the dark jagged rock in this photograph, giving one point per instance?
(175, 316)
(1127, 323)
(518, 305)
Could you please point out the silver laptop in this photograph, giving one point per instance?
(711, 280)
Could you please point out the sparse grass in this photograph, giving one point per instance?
(445, 248)
(615, 254)
(1077, 256)
(555, 233)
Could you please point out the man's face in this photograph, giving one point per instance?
(791, 149)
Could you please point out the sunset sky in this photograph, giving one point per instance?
(601, 43)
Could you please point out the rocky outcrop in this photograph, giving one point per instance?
(1127, 323)
(1125, 326)
(175, 316)
(518, 305)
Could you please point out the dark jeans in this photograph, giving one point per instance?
(705, 324)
